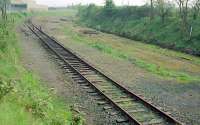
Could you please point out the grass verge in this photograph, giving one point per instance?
(23, 100)
(119, 54)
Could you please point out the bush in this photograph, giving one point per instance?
(133, 22)
(21, 91)
(5, 87)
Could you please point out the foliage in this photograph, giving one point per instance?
(109, 6)
(106, 48)
(163, 8)
(5, 87)
(23, 100)
(133, 22)
(3, 8)
(196, 9)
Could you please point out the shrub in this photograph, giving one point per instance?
(5, 87)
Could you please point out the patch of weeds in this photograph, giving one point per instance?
(23, 100)
(182, 77)
(5, 87)
(78, 120)
(153, 68)
(109, 50)
(40, 102)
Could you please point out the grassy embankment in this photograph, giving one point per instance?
(142, 55)
(134, 23)
(23, 100)
(57, 13)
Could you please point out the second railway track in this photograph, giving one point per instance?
(133, 107)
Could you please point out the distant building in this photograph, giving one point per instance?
(18, 5)
(26, 5)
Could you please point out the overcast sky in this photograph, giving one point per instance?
(98, 2)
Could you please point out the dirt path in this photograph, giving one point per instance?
(182, 100)
(38, 60)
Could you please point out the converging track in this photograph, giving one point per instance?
(136, 110)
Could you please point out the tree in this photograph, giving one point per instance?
(109, 6)
(163, 7)
(3, 8)
(152, 10)
(196, 8)
(183, 12)
(183, 9)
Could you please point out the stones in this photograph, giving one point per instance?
(135, 111)
(102, 102)
(107, 107)
(121, 120)
(153, 121)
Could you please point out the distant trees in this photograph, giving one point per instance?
(152, 10)
(3, 8)
(109, 6)
(160, 7)
(183, 9)
(183, 6)
(90, 11)
(188, 12)
(163, 8)
(196, 8)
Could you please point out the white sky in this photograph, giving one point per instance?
(98, 2)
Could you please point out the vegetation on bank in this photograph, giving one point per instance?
(129, 52)
(163, 23)
(23, 99)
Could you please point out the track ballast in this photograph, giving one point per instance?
(133, 107)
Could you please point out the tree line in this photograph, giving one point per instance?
(171, 24)
(163, 8)
(3, 8)
(185, 9)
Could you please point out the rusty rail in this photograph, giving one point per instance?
(57, 48)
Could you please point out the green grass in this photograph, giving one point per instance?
(8, 114)
(23, 99)
(62, 13)
(130, 23)
(142, 64)
(119, 54)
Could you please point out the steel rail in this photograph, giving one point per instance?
(120, 86)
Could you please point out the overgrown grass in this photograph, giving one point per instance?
(62, 13)
(133, 22)
(23, 100)
(153, 68)
(119, 54)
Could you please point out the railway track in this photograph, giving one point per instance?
(136, 110)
